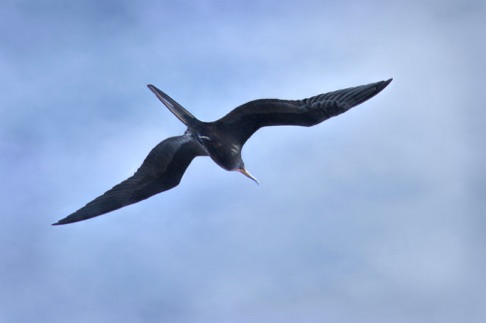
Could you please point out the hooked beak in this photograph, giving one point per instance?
(247, 174)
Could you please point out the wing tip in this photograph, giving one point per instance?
(380, 86)
(384, 84)
(61, 222)
(69, 219)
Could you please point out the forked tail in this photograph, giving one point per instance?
(182, 114)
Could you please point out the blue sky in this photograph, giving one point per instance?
(374, 216)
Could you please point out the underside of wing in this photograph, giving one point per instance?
(251, 116)
(161, 170)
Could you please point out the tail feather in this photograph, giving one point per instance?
(182, 114)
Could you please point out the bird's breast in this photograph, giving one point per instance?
(225, 154)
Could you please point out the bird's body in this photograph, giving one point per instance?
(222, 140)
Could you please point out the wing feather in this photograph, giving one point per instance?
(251, 116)
(161, 170)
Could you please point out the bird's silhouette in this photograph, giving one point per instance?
(222, 140)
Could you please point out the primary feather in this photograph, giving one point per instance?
(161, 170)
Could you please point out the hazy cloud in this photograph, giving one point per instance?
(374, 216)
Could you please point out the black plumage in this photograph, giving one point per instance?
(222, 140)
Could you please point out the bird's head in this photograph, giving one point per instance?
(245, 172)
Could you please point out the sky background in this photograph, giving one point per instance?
(377, 215)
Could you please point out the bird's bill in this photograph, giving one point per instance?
(247, 174)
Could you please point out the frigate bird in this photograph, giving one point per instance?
(222, 140)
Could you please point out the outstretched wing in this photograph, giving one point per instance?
(161, 170)
(251, 116)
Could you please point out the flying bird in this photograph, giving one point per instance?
(222, 140)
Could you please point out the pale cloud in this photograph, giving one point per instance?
(374, 216)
